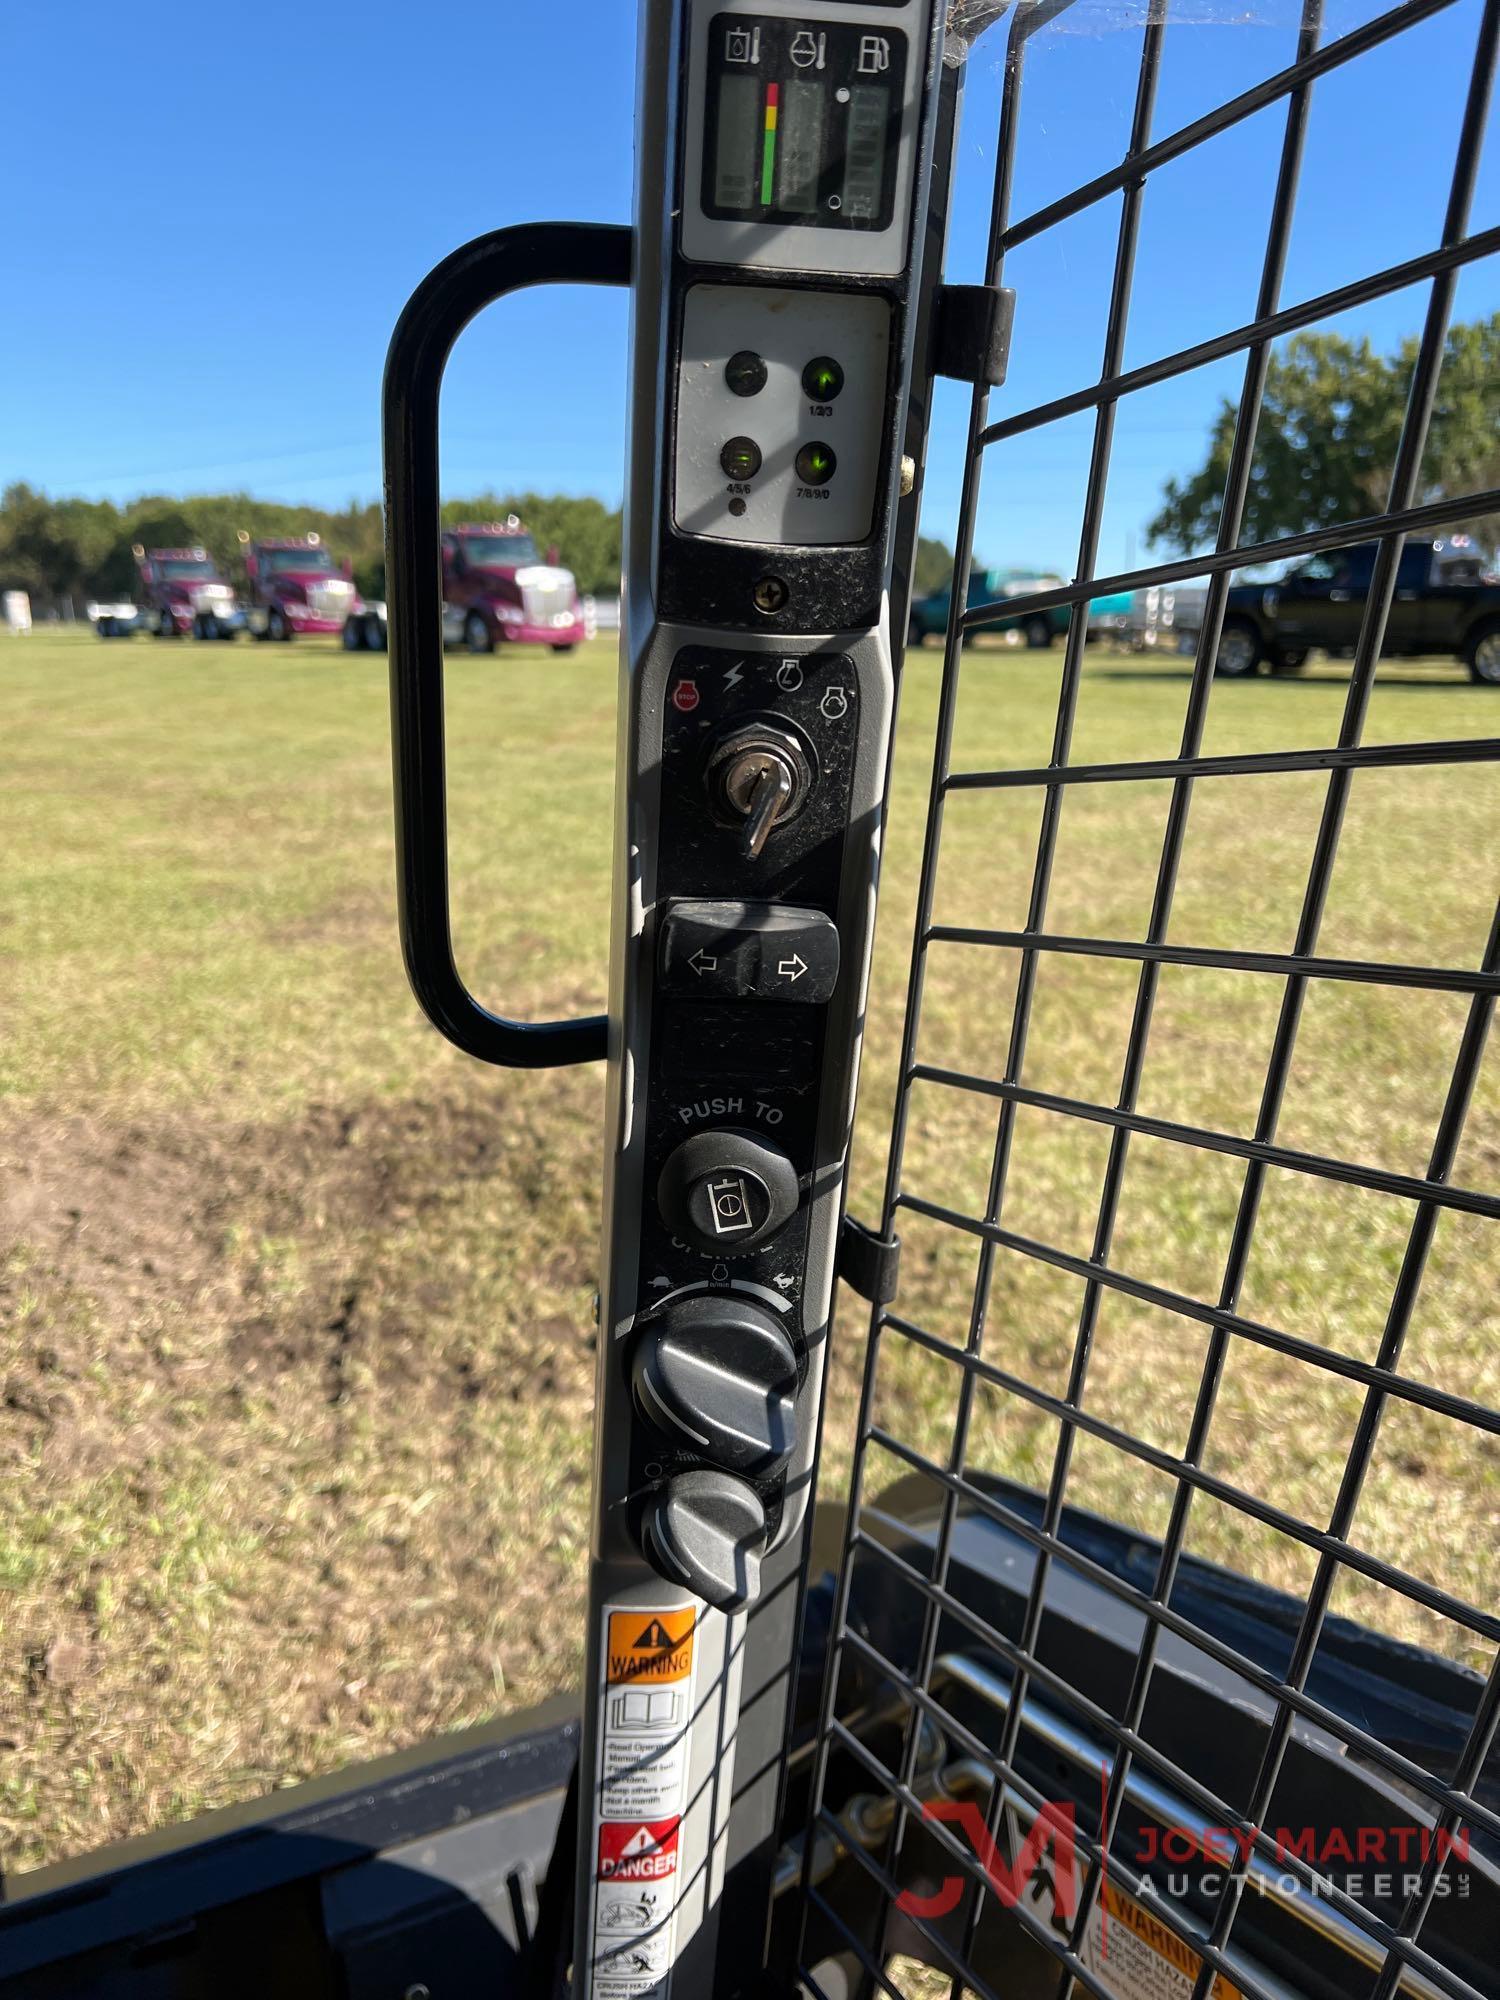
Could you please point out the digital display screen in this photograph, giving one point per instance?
(864, 151)
(803, 122)
(739, 136)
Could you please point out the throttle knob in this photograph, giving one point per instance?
(717, 1375)
(707, 1532)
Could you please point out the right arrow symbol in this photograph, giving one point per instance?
(792, 968)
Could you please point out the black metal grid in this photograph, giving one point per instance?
(1396, 1949)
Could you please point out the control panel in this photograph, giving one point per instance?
(758, 758)
(800, 145)
(779, 406)
(777, 294)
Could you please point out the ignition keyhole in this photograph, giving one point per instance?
(759, 774)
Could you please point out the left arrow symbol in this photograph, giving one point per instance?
(701, 962)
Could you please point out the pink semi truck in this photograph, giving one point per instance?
(294, 586)
(182, 592)
(498, 591)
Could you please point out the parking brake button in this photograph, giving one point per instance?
(725, 1191)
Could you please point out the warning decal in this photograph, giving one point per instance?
(649, 1647)
(1125, 1945)
(643, 1852)
(645, 1732)
(1139, 1957)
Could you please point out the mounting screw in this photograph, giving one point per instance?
(770, 595)
(908, 474)
(417, 1991)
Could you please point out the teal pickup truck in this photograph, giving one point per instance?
(929, 615)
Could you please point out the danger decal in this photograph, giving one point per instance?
(638, 1850)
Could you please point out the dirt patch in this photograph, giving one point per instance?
(294, 1441)
(300, 1249)
(359, 918)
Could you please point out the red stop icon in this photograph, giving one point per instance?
(686, 696)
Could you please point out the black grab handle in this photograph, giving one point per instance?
(506, 260)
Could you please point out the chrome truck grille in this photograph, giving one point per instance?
(331, 599)
(546, 598)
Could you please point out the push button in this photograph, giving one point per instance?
(748, 951)
(740, 458)
(725, 1191)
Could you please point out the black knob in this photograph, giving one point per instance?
(707, 1532)
(727, 1191)
(716, 1374)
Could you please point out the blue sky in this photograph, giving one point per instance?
(209, 230)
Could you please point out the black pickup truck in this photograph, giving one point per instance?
(1447, 601)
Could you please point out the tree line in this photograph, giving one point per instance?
(68, 551)
(1328, 435)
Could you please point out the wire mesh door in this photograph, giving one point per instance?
(1321, 1322)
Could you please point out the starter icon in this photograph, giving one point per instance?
(729, 1201)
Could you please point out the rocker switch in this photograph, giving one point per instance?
(724, 950)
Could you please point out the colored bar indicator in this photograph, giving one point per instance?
(768, 144)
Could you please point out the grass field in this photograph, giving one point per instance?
(295, 1330)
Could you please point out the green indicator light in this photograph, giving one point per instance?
(740, 458)
(816, 464)
(822, 379)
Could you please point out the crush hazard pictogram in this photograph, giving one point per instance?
(638, 1850)
(650, 1646)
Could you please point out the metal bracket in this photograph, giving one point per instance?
(869, 1264)
(971, 335)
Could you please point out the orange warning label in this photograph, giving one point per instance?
(1141, 1958)
(650, 1646)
